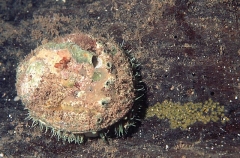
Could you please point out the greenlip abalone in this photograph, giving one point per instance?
(76, 87)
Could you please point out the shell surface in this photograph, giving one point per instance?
(75, 85)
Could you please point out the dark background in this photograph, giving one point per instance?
(189, 52)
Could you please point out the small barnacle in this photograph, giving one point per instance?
(99, 119)
(109, 65)
(105, 101)
(109, 82)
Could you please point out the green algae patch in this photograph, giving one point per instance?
(184, 115)
(80, 55)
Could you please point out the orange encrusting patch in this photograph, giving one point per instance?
(62, 63)
(66, 57)
(64, 53)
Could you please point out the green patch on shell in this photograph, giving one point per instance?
(80, 55)
(35, 70)
(96, 76)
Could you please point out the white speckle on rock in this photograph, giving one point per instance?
(17, 98)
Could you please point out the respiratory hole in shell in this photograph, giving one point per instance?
(94, 61)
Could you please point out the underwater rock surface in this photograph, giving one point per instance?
(189, 53)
